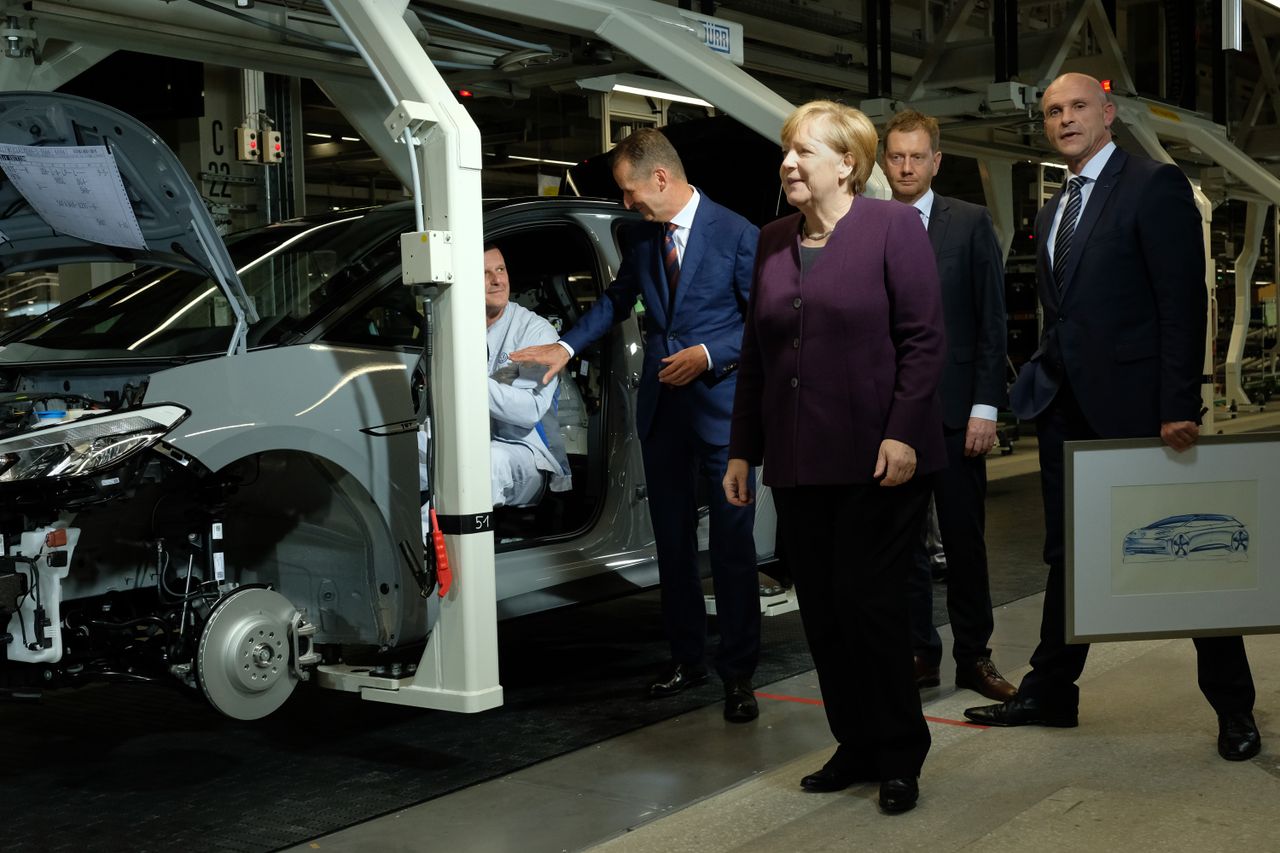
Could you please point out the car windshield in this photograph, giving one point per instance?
(294, 274)
(1174, 520)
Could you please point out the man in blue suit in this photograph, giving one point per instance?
(691, 263)
(1120, 274)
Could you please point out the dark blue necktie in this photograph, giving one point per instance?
(671, 258)
(1067, 230)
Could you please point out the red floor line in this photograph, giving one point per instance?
(781, 698)
(962, 723)
(804, 701)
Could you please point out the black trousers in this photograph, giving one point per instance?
(960, 493)
(850, 552)
(1222, 667)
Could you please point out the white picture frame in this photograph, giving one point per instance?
(1166, 544)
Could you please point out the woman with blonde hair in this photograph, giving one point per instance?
(841, 357)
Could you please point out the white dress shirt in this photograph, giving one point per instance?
(1090, 172)
(924, 204)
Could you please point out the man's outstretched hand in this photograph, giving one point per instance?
(552, 355)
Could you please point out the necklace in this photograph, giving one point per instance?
(825, 234)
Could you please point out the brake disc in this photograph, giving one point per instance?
(242, 662)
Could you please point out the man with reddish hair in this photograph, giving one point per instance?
(971, 271)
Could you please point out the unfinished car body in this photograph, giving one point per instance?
(208, 466)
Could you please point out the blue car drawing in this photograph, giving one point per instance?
(1196, 535)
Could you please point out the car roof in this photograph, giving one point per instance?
(560, 204)
(1201, 516)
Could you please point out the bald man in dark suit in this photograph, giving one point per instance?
(1120, 274)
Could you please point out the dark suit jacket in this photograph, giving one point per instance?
(709, 306)
(851, 355)
(1127, 331)
(971, 269)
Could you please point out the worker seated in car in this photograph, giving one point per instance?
(526, 449)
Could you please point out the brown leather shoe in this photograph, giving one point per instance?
(926, 674)
(983, 678)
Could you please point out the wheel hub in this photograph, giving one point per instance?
(243, 659)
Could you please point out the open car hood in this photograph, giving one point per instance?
(81, 181)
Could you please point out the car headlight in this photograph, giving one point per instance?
(85, 445)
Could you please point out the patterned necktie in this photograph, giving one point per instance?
(671, 258)
(1066, 230)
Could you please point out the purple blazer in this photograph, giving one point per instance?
(849, 355)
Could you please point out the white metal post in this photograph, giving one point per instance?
(459, 669)
(1254, 219)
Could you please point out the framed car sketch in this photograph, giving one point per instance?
(1168, 544)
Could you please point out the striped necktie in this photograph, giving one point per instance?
(1067, 230)
(671, 258)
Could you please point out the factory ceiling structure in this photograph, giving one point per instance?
(976, 63)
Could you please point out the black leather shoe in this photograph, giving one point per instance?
(680, 676)
(898, 795)
(832, 777)
(927, 675)
(1023, 711)
(982, 677)
(739, 701)
(1238, 738)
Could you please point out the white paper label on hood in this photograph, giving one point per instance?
(76, 190)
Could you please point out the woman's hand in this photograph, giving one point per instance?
(896, 463)
(737, 482)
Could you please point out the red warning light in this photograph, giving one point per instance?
(1106, 86)
(466, 93)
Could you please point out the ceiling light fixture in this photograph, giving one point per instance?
(648, 87)
(541, 160)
